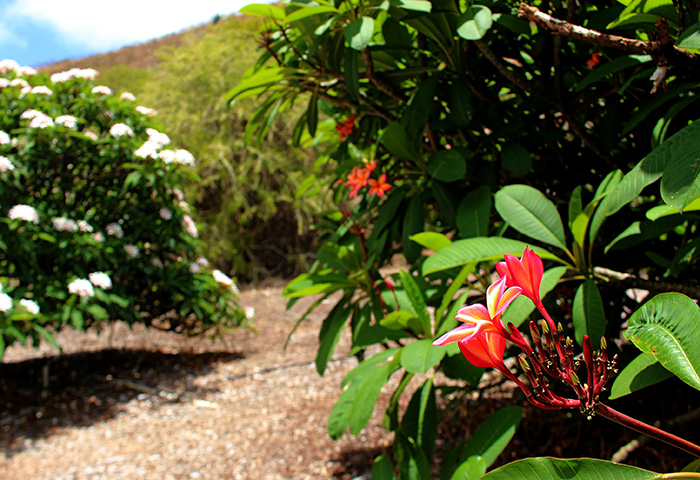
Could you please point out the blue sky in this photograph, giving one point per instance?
(37, 32)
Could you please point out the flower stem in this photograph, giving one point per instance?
(647, 429)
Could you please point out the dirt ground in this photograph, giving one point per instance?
(138, 404)
(152, 405)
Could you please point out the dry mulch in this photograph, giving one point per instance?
(138, 404)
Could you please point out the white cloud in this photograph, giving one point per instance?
(106, 25)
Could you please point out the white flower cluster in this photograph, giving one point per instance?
(115, 230)
(83, 287)
(68, 121)
(121, 129)
(224, 280)
(86, 73)
(8, 65)
(63, 224)
(37, 119)
(180, 156)
(189, 225)
(6, 164)
(4, 138)
(24, 212)
(127, 96)
(101, 280)
(101, 90)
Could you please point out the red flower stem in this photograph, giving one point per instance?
(647, 429)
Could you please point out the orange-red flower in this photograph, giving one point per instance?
(346, 128)
(485, 350)
(525, 273)
(356, 180)
(594, 61)
(378, 187)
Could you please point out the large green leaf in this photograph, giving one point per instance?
(680, 184)
(522, 307)
(447, 165)
(420, 420)
(548, 468)
(413, 223)
(655, 8)
(432, 240)
(492, 436)
(531, 213)
(309, 11)
(478, 249)
(589, 313)
(396, 141)
(415, 296)
(330, 334)
(419, 106)
(668, 326)
(516, 159)
(643, 371)
(474, 212)
(421, 356)
(359, 32)
(263, 10)
(471, 468)
(355, 405)
(613, 66)
(475, 22)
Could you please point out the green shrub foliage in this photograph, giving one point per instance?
(93, 221)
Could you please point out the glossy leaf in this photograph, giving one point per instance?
(415, 296)
(589, 313)
(493, 436)
(516, 159)
(263, 10)
(382, 468)
(531, 213)
(413, 223)
(417, 5)
(470, 469)
(680, 184)
(420, 419)
(432, 240)
(479, 249)
(396, 141)
(475, 22)
(309, 11)
(421, 356)
(330, 334)
(668, 327)
(643, 371)
(548, 468)
(359, 32)
(447, 166)
(474, 212)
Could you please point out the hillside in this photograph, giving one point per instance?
(140, 55)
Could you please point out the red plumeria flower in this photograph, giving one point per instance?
(479, 319)
(485, 350)
(346, 128)
(357, 179)
(378, 187)
(525, 273)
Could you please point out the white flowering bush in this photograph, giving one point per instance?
(93, 225)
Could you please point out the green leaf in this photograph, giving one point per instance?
(351, 73)
(447, 166)
(479, 249)
(432, 240)
(472, 468)
(324, 281)
(643, 371)
(396, 141)
(668, 327)
(690, 37)
(382, 468)
(656, 8)
(589, 313)
(516, 159)
(329, 334)
(680, 184)
(308, 11)
(402, 320)
(312, 114)
(417, 5)
(475, 22)
(98, 312)
(521, 308)
(474, 212)
(421, 356)
(77, 320)
(45, 334)
(359, 32)
(355, 405)
(420, 420)
(415, 296)
(413, 223)
(492, 436)
(548, 468)
(419, 106)
(613, 66)
(531, 213)
(263, 10)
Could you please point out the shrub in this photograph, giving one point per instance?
(93, 223)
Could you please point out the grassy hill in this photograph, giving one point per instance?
(253, 225)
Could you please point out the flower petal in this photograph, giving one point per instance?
(473, 313)
(455, 335)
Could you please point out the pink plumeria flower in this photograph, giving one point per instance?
(525, 273)
(479, 319)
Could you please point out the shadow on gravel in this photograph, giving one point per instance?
(41, 396)
(355, 463)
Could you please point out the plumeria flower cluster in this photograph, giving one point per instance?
(83, 287)
(360, 177)
(345, 128)
(482, 338)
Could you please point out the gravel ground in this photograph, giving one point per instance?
(137, 404)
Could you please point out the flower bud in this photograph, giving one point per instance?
(574, 378)
(603, 343)
(545, 327)
(523, 363)
(560, 328)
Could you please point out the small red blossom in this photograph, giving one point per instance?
(525, 273)
(594, 61)
(346, 128)
(378, 187)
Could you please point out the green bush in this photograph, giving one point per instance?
(93, 222)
